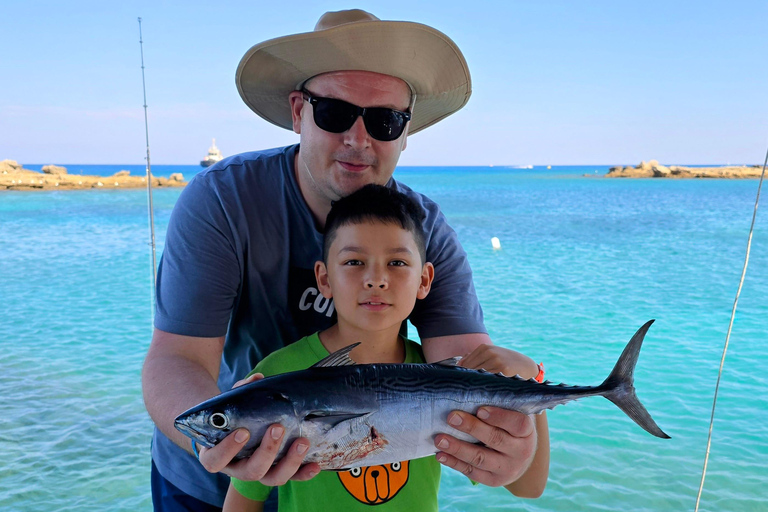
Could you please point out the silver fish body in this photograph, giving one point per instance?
(364, 415)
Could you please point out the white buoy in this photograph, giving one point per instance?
(495, 243)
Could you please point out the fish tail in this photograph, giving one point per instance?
(619, 386)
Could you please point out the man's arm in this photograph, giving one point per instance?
(180, 372)
(516, 451)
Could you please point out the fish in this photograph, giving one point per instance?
(358, 415)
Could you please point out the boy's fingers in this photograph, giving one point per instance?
(260, 462)
(290, 465)
(509, 444)
(514, 423)
(478, 475)
(307, 472)
(217, 458)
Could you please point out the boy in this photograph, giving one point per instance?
(374, 269)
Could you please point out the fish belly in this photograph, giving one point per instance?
(400, 430)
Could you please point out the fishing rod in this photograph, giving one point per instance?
(728, 333)
(149, 179)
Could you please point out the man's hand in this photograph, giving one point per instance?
(261, 464)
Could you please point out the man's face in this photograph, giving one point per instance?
(333, 165)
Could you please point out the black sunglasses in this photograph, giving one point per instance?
(337, 116)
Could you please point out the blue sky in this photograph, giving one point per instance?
(555, 82)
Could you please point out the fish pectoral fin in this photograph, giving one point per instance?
(329, 419)
(338, 358)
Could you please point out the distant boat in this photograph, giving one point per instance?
(214, 155)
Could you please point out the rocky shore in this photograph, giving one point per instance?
(54, 177)
(652, 169)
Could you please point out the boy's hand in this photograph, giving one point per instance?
(261, 465)
(510, 445)
(509, 437)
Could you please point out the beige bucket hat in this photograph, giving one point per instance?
(423, 57)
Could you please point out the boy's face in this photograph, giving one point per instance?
(374, 274)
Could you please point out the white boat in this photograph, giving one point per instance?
(214, 155)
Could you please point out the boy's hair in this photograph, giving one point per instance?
(380, 204)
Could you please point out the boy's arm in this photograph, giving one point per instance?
(516, 451)
(236, 502)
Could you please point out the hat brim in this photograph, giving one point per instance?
(425, 58)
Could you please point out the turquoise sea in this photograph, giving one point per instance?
(583, 263)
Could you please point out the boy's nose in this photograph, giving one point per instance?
(376, 282)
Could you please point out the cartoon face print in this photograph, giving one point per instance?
(375, 485)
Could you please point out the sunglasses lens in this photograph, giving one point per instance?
(384, 124)
(334, 116)
(337, 116)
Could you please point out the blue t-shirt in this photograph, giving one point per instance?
(239, 261)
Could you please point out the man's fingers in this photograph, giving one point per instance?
(248, 380)
(497, 359)
(216, 459)
(476, 358)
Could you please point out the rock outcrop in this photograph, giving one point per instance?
(652, 169)
(54, 169)
(14, 177)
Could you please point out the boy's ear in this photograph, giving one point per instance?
(321, 276)
(427, 275)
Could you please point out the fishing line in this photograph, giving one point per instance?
(149, 182)
(728, 334)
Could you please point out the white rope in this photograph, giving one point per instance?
(728, 334)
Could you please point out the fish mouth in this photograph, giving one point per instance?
(187, 429)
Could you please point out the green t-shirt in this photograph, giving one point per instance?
(408, 485)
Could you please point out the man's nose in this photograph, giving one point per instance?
(357, 136)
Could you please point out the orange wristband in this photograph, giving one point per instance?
(540, 375)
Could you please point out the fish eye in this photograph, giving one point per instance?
(218, 420)
(355, 472)
(395, 466)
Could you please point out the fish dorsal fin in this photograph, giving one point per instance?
(338, 358)
(451, 361)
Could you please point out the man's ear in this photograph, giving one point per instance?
(427, 275)
(296, 98)
(321, 276)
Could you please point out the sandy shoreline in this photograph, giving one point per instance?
(14, 177)
(652, 169)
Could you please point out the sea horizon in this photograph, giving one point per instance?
(189, 170)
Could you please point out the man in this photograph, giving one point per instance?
(236, 278)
